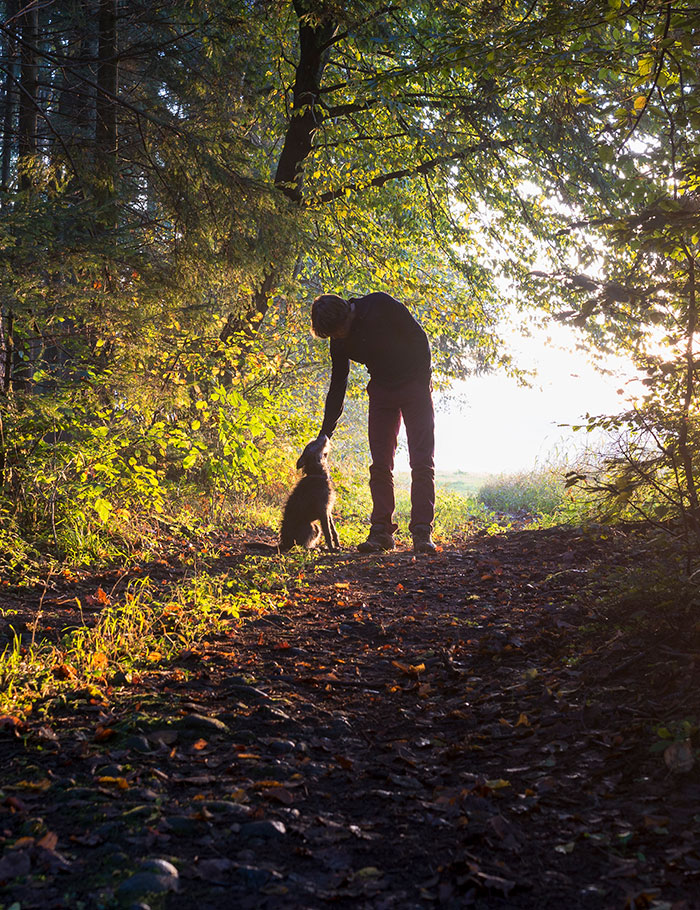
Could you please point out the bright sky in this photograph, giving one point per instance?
(502, 427)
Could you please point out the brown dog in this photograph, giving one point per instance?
(308, 513)
(309, 509)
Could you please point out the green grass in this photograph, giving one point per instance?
(145, 626)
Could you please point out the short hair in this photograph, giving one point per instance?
(328, 313)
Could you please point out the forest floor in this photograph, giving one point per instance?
(473, 728)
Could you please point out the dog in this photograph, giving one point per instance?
(308, 514)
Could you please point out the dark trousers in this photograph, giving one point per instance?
(412, 401)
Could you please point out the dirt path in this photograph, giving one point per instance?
(458, 730)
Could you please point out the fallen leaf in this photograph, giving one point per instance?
(409, 669)
(565, 848)
(121, 783)
(367, 872)
(39, 785)
(49, 841)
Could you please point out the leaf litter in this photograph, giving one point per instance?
(439, 731)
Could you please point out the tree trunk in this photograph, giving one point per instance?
(8, 104)
(106, 106)
(304, 120)
(684, 444)
(76, 97)
(298, 142)
(28, 104)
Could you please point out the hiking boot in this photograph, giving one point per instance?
(423, 542)
(377, 542)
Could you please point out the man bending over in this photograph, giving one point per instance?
(379, 332)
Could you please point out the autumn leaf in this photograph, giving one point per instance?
(120, 783)
(37, 785)
(100, 661)
(49, 841)
(409, 669)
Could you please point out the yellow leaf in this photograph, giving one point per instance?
(498, 784)
(640, 102)
(409, 669)
(40, 785)
(99, 660)
(368, 872)
(121, 783)
(523, 721)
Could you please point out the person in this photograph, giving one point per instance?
(379, 332)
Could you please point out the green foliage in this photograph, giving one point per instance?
(84, 463)
(145, 627)
(539, 492)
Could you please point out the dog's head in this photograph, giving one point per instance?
(315, 455)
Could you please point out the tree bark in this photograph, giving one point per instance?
(306, 114)
(28, 82)
(8, 102)
(684, 445)
(106, 102)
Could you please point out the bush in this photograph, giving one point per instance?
(535, 493)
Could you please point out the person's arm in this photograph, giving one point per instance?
(340, 368)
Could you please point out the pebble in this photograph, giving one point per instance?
(147, 883)
(272, 713)
(266, 829)
(246, 692)
(235, 811)
(282, 746)
(181, 825)
(110, 771)
(160, 867)
(200, 723)
(139, 812)
(137, 743)
(155, 876)
(254, 877)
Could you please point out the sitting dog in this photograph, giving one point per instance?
(309, 509)
(308, 512)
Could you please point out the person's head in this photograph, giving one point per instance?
(331, 316)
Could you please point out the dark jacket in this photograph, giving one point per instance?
(387, 340)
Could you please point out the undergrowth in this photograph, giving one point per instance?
(541, 494)
(145, 626)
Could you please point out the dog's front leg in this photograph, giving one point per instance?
(334, 533)
(330, 535)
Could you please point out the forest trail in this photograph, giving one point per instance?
(456, 730)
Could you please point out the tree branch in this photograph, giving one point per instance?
(424, 168)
